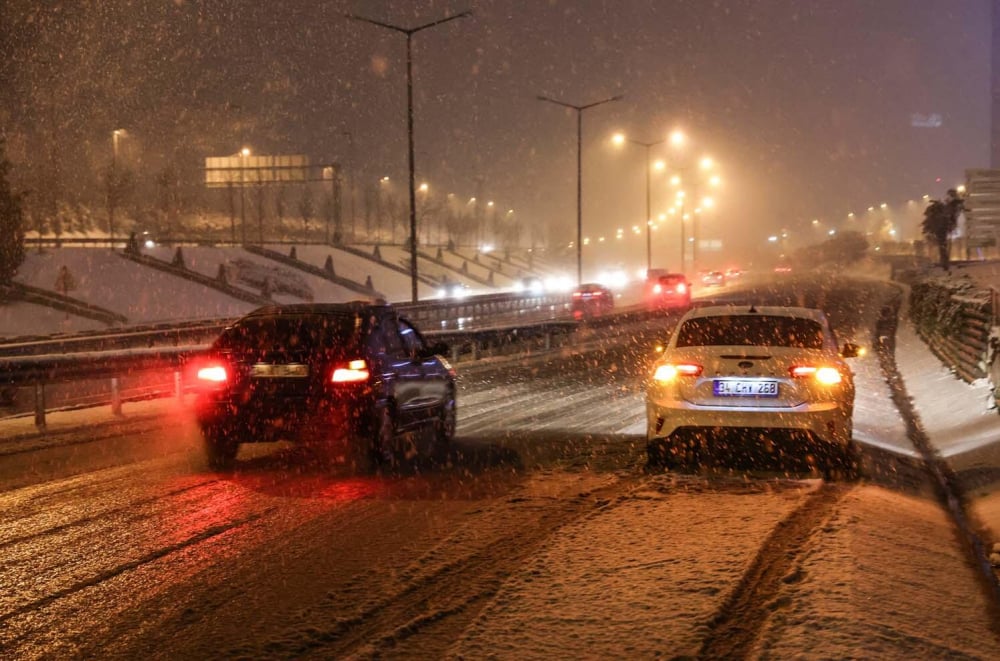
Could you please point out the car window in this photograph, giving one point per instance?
(751, 330)
(385, 338)
(291, 333)
(412, 342)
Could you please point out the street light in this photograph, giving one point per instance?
(244, 153)
(113, 185)
(351, 182)
(705, 163)
(621, 139)
(409, 32)
(579, 172)
(424, 189)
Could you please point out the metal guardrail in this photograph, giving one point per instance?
(466, 314)
(517, 321)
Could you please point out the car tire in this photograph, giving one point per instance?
(220, 448)
(383, 439)
(844, 465)
(444, 427)
(660, 455)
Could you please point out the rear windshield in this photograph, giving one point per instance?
(671, 279)
(751, 330)
(292, 334)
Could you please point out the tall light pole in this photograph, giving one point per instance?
(351, 181)
(705, 164)
(579, 172)
(409, 32)
(649, 229)
(113, 185)
(243, 195)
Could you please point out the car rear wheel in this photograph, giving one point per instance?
(844, 466)
(682, 451)
(445, 426)
(220, 447)
(375, 447)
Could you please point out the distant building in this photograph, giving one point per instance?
(982, 214)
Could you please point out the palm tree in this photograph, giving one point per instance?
(940, 221)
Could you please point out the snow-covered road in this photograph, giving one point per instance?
(544, 537)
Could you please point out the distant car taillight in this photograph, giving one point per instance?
(214, 373)
(826, 375)
(355, 371)
(657, 289)
(681, 288)
(670, 372)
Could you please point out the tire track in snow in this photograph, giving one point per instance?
(450, 594)
(738, 624)
(157, 554)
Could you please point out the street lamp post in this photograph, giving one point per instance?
(409, 32)
(113, 185)
(243, 194)
(350, 181)
(649, 229)
(706, 163)
(579, 172)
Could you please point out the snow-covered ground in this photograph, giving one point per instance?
(675, 545)
(145, 295)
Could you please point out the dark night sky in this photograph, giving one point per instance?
(805, 104)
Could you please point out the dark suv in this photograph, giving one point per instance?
(342, 376)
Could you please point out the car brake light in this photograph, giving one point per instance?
(577, 294)
(213, 374)
(670, 372)
(355, 372)
(657, 289)
(681, 288)
(825, 375)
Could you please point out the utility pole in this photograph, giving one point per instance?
(113, 186)
(409, 32)
(579, 172)
(350, 181)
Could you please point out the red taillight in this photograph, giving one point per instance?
(681, 288)
(355, 371)
(215, 373)
(577, 294)
(670, 372)
(826, 375)
(657, 289)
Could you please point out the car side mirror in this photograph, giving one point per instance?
(852, 350)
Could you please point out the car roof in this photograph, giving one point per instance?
(763, 310)
(351, 308)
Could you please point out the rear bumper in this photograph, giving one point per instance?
(257, 422)
(827, 422)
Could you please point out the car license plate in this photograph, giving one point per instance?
(271, 371)
(744, 388)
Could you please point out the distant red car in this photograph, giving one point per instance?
(670, 290)
(591, 300)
